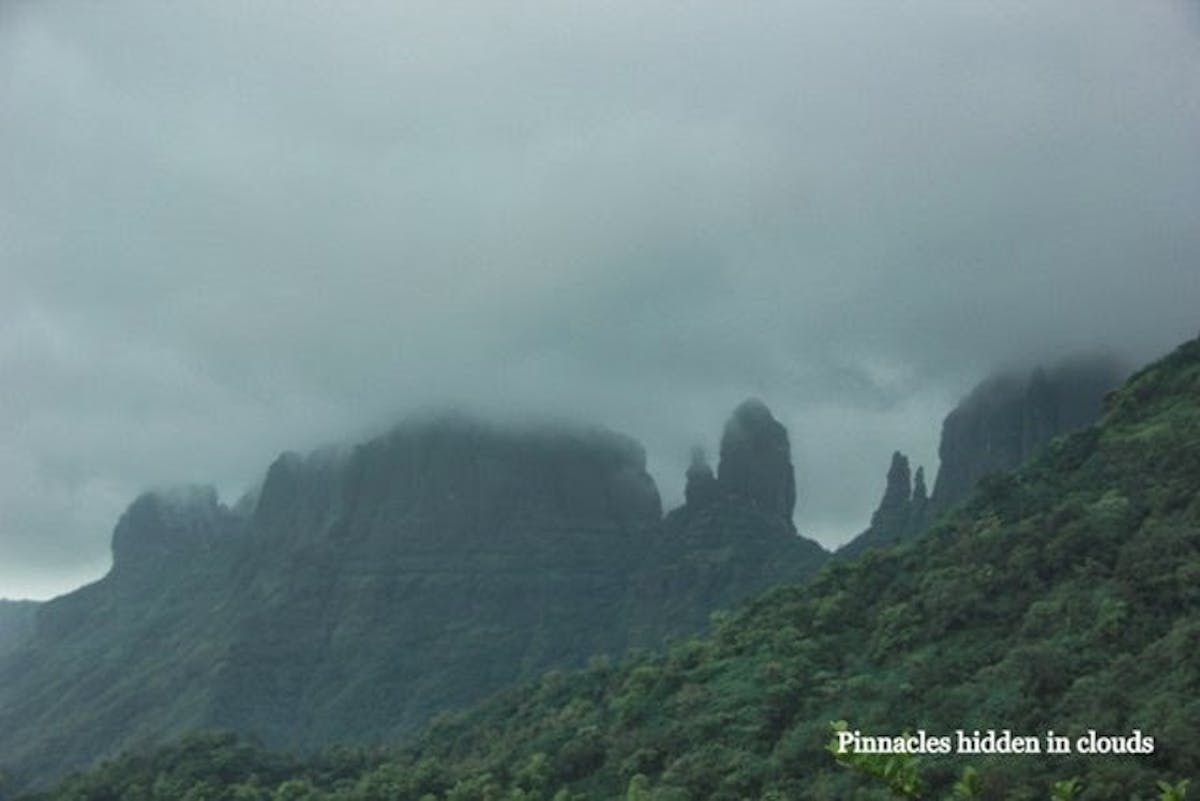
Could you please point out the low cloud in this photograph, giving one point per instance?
(232, 229)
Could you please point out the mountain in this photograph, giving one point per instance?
(1007, 417)
(756, 461)
(1062, 596)
(16, 622)
(903, 512)
(733, 536)
(999, 425)
(358, 592)
(127, 656)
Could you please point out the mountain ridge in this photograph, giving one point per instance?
(355, 593)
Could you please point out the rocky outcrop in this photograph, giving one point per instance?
(901, 513)
(732, 538)
(1007, 417)
(167, 525)
(897, 495)
(300, 497)
(756, 461)
(997, 427)
(478, 480)
(919, 504)
(424, 569)
(700, 487)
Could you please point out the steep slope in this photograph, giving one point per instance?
(16, 622)
(1007, 417)
(129, 656)
(357, 593)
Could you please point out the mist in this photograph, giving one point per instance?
(233, 229)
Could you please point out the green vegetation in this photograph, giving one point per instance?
(900, 773)
(1064, 596)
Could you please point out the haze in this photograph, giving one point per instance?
(229, 229)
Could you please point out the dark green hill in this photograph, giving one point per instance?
(1063, 596)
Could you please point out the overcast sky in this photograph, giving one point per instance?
(229, 229)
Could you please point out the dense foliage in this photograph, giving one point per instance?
(1063, 596)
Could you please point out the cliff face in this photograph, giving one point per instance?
(165, 529)
(16, 623)
(1006, 418)
(998, 426)
(902, 512)
(426, 569)
(756, 461)
(734, 535)
(357, 593)
(893, 511)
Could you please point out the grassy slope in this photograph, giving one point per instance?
(1063, 596)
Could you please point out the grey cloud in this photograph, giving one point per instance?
(230, 229)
